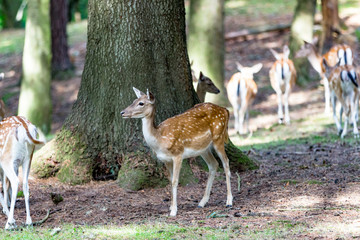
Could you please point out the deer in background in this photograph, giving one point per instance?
(282, 77)
(205, 85)
(241, 91)
(339, 53)
(2, 104)
(186, 135)
(17, 144)
(344, 85)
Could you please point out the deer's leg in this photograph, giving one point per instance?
(333, 102)
(247, 120)
(286, 103)
(220, 150)
(280, 108)
(26, 170)
(177, 161)
(236, 115)
(327, 95)
(242, 117)
(353, 115)
(2, 199)
(212, 165)
(6, 195)
(14, 183)
(169, 167)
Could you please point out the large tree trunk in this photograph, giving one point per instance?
(60, 57)
(330, 23)
(141, 45)
(206, 42)
(35, 100)
(9, 10)
(302, 29)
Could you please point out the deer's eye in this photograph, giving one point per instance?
(141, 103)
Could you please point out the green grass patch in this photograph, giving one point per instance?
(311, 130)
(315, 182)
(290, 181)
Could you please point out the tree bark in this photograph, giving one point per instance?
(9, 10)
(138, 44)
(206, 43)
(35, 100)
(330, 23)
(60, 57)
(302, 29)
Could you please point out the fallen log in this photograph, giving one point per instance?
(258, 30)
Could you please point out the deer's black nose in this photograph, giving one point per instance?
(122, 113)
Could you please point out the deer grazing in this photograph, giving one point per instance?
(241, 91)
(186, 135)
(344, 85)
(282, 77)
(339, 53)
(205, 85)
(17, 143)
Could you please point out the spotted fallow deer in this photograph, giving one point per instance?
(17, 143)
(341, 53)
(205, 85)
(241, 91)
(186, 135)
(344, 86)
(282, 77)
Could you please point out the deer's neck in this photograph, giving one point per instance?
(150, 131)
(200, 92)
(316, 62)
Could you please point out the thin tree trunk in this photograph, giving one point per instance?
(206, 43)
(302, 29)
(35, 100)
(59, 47)
(330, 22)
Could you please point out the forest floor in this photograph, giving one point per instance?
(307, 185)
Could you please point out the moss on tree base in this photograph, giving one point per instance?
(238, 160)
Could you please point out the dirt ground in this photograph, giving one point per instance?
(307, 184)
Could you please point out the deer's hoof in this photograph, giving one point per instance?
(10, 226)
(281, 120)
(228, 206)
(356, 135)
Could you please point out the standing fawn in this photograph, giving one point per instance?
(186, 135)
(241, 91)
(338, 53)
(344, 86)
(17, 143)
(282, 77)
(205, 85)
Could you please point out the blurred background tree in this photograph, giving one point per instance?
(59, 46)
(206, 43)
(302, 29)
(35, 100)
(330, 24)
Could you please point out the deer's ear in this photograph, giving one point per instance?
(138, 92)
(256, 68)
(201, 76)
(286, 51)
(276, 55)
(150, 96)
(239, 66)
